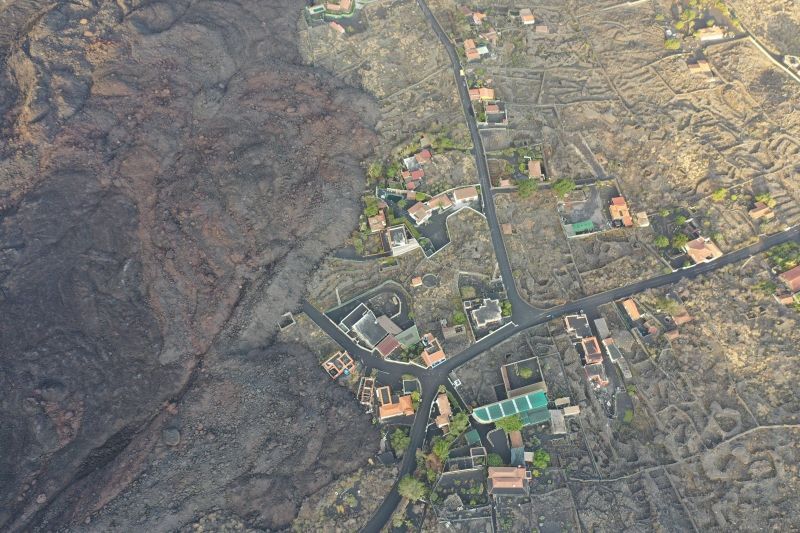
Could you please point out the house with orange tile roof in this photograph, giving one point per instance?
(619, 211)
(490, 36)
(420, 212)
(432, 353)
(404, 406)
(416, 281)
(630, 307)
(445, 412)
(343, 6)
(508, 481)
(377, 223)
(465, 194)
(534, 168)
(526, 15)
(478, 18)
(441, 201)
(481, 93)
(761, 210)
(791, 278)
(702, 250)
(423, 157)
(591, 350)
(338, 28)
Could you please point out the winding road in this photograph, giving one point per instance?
(524, 315)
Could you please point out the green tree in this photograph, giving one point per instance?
(441, 448)
(375, 170)
(509, 423)
(672, 43)
(459, 318)
(494, 460)
(720, 195)
(415, 399)
(541, 459)
(767, 199)
(400, 440)
(563, 186)
(505, 307)
(525, 372)
(679, 241)
(661, 242)
(393, 169)
(680, 220)
(525, 188)
(459, 424)
(370, 206)
(420, 196)
(412, 489)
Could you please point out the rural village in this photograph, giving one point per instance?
(519, 310)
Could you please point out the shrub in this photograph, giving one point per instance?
(505, 306)
(400, 440)
(525, 188)
(628, 416)
(509, 423)
(459, 318)
(661, 242)
(525, 372)
(541, 459)
(672, 43)
(411, 488)
(563, 186)
(494, 460)
(679, 241)
(767, 199)
(720, 195)
(441, 448)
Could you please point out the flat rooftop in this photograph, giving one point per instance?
(521, 404)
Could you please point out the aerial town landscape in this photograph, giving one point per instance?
(442, 266)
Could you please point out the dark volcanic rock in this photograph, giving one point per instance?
(169, 174)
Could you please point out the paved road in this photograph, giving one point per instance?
(431, 378)
(517, 303)
(524, 315)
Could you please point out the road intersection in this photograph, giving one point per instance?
(524, 316)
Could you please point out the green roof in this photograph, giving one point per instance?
(533, 401)
(583, 226)
(409, 337)
(537, 416)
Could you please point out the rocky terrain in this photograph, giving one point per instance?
(169, 174)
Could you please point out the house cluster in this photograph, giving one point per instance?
(391, 405)
(413, 171)
(648, 326)
(421, 212)
(487, 35)
(761, 211)
(621, 214)
(340, 9)
(527, 18)
(377, 333)
(791, 280)
(487, 109)
(588, 347)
